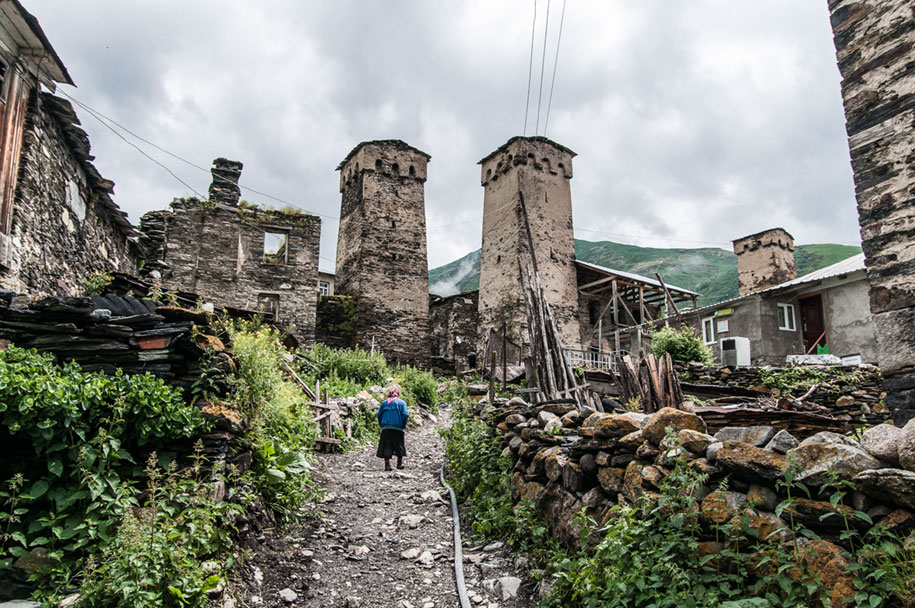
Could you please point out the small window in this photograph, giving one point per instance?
(323, 288)
(275, 248)
(786, 317)
(393, 224)
(708, 330)
(412, 171)
(395, 169)
(269, 304)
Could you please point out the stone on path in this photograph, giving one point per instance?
(411, 521)
(410, 553)
(288, 595)
(508, 586)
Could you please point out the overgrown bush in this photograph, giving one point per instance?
(282, 433)
(417, 386)
(355, 365)
(682, 344)
(70, 440)
(158, 556)
(479, 475)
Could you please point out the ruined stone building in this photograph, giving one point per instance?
(235, 254)
(875, 48)
(381, 248)
(58, 223)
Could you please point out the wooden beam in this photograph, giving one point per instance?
(669, 298)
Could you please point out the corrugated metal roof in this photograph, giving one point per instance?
(634, 277)
(846, 266)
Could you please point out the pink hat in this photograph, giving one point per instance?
(394, 392)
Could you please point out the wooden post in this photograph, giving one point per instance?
(504, 357)
(492, 379)
(641, 304)
(616, 316)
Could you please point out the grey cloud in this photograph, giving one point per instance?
(679, 140)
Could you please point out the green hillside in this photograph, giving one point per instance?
(710, 271)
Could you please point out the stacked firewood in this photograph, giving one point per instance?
(651, 383)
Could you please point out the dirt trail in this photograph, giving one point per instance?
(380, 540)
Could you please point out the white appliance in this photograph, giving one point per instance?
(735, 352)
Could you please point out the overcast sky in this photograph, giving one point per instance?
(695, 123)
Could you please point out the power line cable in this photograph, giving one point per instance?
(546, 31)
(141, 151)
(549, 104)
(530, 69)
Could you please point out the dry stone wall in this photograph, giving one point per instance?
(65, 225)
(382, 261)
(567, 460)
(875, 48)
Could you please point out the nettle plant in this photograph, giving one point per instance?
(69, 441)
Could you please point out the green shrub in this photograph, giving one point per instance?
(157, 558)
(83, 431)
(417, 386)
(683, 345)
(479, 475)
(355, 365)
(282, 432)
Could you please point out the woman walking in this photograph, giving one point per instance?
(392, 418)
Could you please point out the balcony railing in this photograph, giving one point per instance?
(593, 359)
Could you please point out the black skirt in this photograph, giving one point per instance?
(391, 444)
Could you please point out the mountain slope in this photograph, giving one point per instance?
(709, 271)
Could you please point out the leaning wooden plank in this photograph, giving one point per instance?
(301, 382)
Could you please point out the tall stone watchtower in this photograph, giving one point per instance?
(381, 248)
(537, 171)
(764, 259)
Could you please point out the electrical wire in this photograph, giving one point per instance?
(546, 31)
(530, 69)
(549, 104)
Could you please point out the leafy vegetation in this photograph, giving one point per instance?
(709, 271)
(157, 557)
(682, 344)
(70, 442)
(282, 432)
(651, 554)
(97, 282)
(480, 477)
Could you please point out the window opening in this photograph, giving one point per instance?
(269, 304)
(708, 330)
(323, 288)
(275, 247)
(786, 317)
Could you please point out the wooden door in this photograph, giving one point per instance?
(813, 324)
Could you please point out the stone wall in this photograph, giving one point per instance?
(875, 48)
(381, 248)
(566, 461)
(540, 170)
(64, 225)
(455, 329)
(217, 251)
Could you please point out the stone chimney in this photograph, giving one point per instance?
(224, 188)
(765, 259)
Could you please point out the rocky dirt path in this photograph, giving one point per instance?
(380, 540)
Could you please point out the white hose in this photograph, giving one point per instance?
(458, 557)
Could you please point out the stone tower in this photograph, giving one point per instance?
(764, 259)
(875, 48)
(381, 248)
(537, 171)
